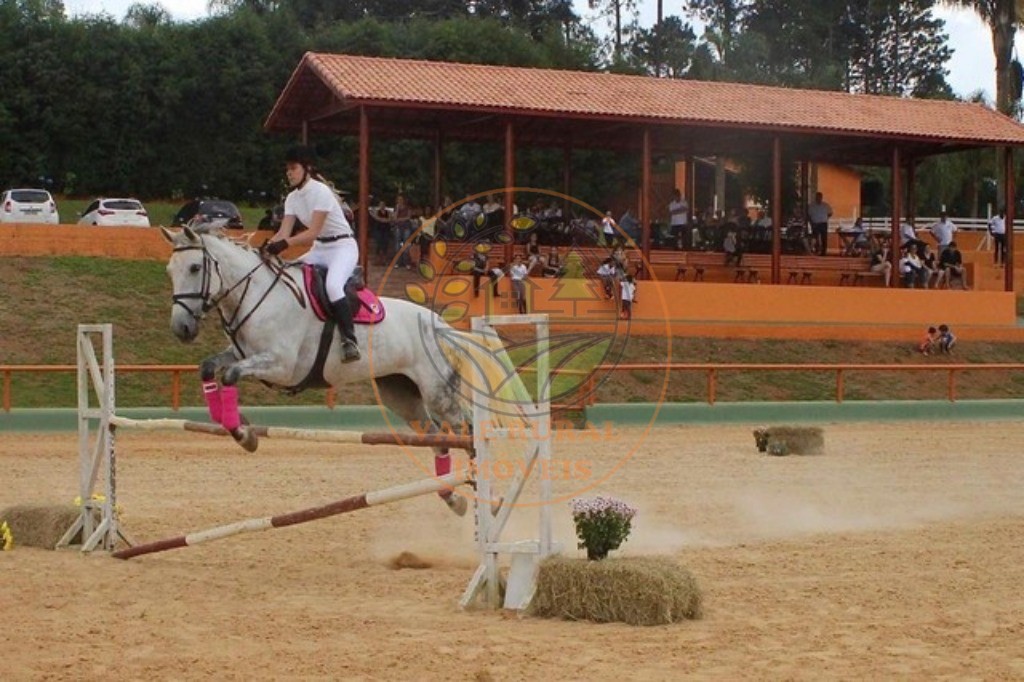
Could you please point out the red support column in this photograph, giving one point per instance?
(364, 191)
(566, 180)
(645, 196)
(510, 182)
(438, 169)
(1011, 210)
(897, 195)
(776, 210)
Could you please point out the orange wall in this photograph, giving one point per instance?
(841, 189)
(752, 309)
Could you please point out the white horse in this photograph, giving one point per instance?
(419, 363)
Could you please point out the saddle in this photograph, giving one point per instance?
(367, 308)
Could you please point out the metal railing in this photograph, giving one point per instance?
(587, 393)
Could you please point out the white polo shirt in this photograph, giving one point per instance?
(943, 232)
(316, 196)
(997, 224)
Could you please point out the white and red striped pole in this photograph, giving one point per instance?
(349, 504)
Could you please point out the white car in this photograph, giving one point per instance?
(28, 206)
(115, 212)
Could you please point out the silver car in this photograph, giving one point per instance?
(28, 206)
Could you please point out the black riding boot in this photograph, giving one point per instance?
(343, 315)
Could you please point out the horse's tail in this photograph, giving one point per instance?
(487, 374)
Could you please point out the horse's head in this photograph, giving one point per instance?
(196, 280)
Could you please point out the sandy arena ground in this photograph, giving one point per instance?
(897, 554)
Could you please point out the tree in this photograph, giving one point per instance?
(667, 46)
(1002, 17)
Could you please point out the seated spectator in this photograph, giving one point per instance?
(533, 255)
(854, 239)
(553, 267)
(911, 269)
(930, 341)
(267, 221)
(608, 273)
(947, 340)
(880, 262)
(619, 259)
(930, 264)
(951, 267)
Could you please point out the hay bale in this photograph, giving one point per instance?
(636, 591)
(790, 440)
(36, 525)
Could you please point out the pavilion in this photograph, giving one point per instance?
(335, 94)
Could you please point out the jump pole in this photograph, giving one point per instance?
(443, 440)
(349, 504)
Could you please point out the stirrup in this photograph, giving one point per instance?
(349, 351)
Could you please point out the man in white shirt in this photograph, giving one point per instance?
(943, 232)
(678, 216)
(908, 235)
(997, 228)
(818, 214)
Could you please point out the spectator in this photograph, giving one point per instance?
(518, 272)
(731, 246)
(630, 225)
(930, 265)
(855, 240)
(943, 232)
(628, 295)
(997, 228)
(380, 225)
(908, 235)
(401, 229)
(947, 340)
(818, 214)
(608, 229)
(951, 266)
(607, 272)
(481, 254)
(911, 270)
(678, 217)
(267, 221)
(880, 262)
(553, 267)
(533, 253)
(619, 259)
(929, 342)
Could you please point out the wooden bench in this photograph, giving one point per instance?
(801, 269)
(751, 266)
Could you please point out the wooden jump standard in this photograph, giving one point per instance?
(349, 504)
(318, 435)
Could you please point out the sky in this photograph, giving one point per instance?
(972, 66)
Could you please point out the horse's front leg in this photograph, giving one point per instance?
(208, 370)
(258, 366)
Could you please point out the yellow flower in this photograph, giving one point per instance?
(7, 536)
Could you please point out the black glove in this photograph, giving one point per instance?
(276, 247)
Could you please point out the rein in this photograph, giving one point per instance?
(230, 326)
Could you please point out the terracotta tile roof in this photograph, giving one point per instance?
(573, 94)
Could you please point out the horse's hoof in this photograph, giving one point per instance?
(457, 503)
(245, 437)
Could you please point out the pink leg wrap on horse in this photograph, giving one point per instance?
(443, 467)
(211, 393)
(229, 406)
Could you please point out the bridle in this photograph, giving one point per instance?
(210, 300)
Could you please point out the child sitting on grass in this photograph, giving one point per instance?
(947, 340)
(930, 340)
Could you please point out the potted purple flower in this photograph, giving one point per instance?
(602, 524)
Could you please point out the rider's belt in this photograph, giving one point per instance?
(327, 240)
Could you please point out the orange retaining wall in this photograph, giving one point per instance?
(758, 310)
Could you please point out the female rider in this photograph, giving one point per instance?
(333, 244)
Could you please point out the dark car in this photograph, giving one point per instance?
(206, 211)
